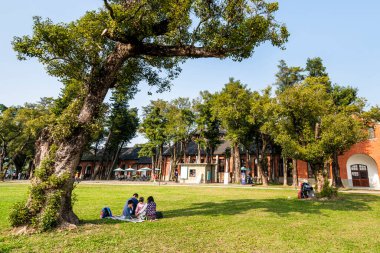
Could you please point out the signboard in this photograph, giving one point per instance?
(184, 174)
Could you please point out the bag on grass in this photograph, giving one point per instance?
(159, 215)
(106, 212)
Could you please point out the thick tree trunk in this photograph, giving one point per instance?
(160, 160)
(262, 160)
(236, 163)
(173, 161)
(115, 160)
(49, 202)
(30, 170)
(285, 169)
(3, 155)
(270, 169)
(295, 173)
(337, 181)
(320, 180)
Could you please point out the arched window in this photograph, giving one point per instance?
(359, 173)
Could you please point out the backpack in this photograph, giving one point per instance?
(106, 212)
(159, 215)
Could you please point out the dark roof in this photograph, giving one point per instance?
(221, 148)
(89, 156)
(144, 160)
(129, 153)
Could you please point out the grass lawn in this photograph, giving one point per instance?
(200, 219)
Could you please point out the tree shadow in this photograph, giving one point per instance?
(278, 206)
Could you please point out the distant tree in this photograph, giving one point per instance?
(232, 106)
(306, 128)
(180, 129)
(260, 117)
(19, 128)
(207, 127)
(120, 127)
(154, 128)
(287, 76)
(2, 108)
(315, 67)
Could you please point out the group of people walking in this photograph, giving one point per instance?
(135, 207)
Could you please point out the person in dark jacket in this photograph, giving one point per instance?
(135, 201)
(127, 210)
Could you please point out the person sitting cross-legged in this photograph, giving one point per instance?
(128, 209)
(151, 209)
(141, 209)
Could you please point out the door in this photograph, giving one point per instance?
(359, 173)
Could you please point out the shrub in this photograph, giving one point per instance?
(328, 191)
(19, 215)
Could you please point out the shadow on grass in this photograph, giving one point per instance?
(278, 206)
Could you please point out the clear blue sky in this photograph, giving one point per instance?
(344, 33)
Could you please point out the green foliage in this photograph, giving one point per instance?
(232, 107)
(154, 122)
(328, 191)
(372, 115)
(315, 68)
(2, 108)
(19, 215)
(287, 76)
(180, 120)
(207, 126)
(75, 51)
(310, 126)
(49, 218)
(19, 128)
(45, 194)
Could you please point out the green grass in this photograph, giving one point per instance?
(200, 219)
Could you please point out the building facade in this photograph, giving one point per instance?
(358, 166)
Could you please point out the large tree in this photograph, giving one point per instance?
(232, 106)
(311, 128)
(19, 128)
(262, 115)
(154, 129)
(117, 46)
(207, 134)
(121, 127)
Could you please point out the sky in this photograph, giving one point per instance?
(344, 33)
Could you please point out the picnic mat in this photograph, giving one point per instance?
(121, 218)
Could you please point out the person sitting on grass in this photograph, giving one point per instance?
(151, 209)
(127, 210)
(135, 202)
(140, 209)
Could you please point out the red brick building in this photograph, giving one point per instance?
(358, 166)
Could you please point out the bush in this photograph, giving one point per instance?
(328, 191)
(19, 215)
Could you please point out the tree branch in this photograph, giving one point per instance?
(109, 8)
(185, 51)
